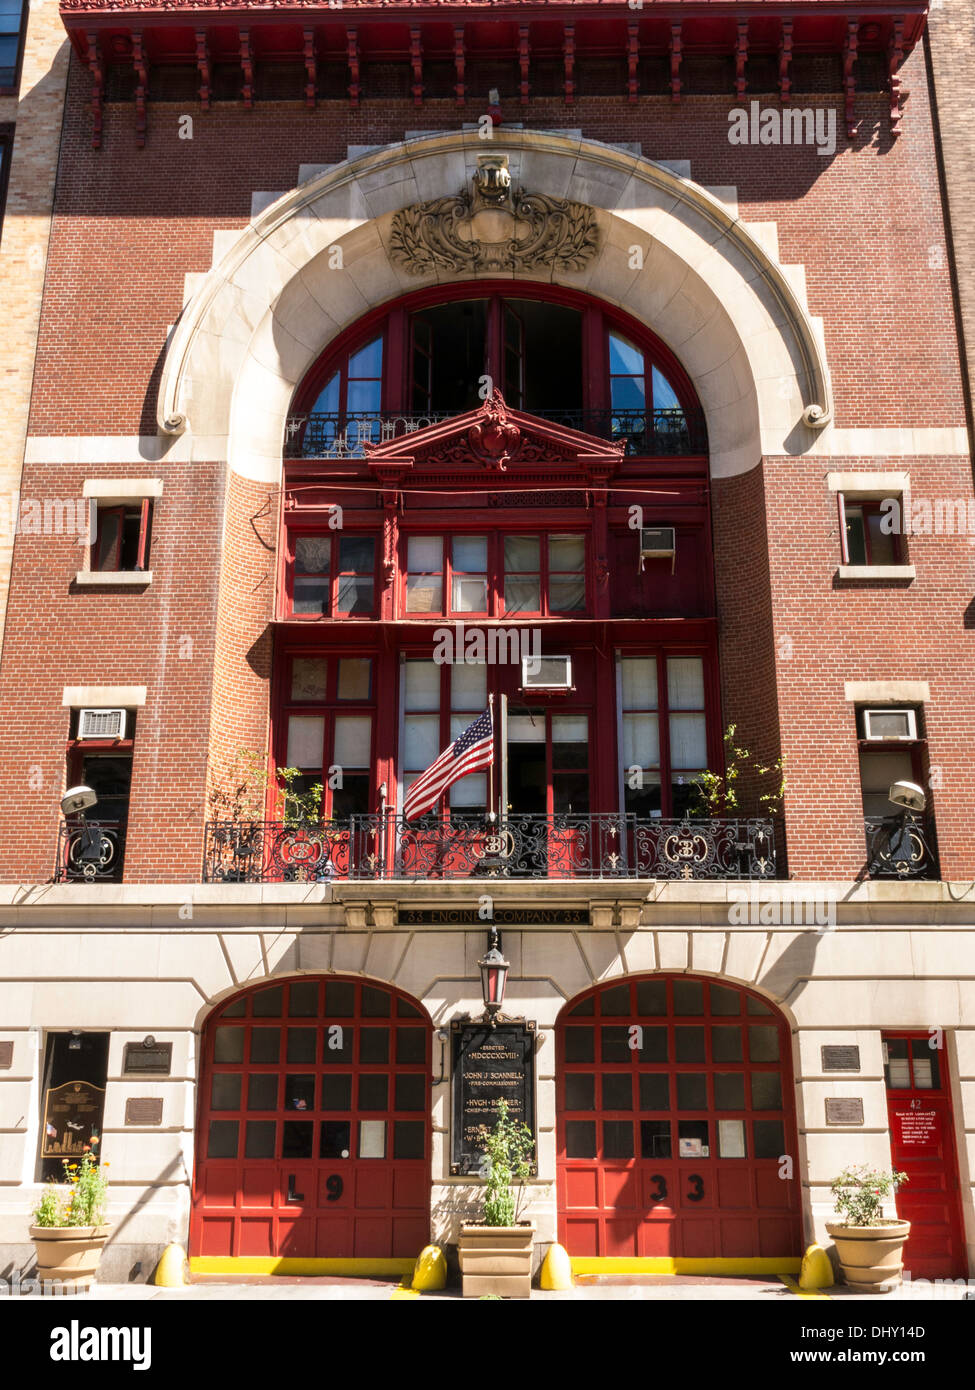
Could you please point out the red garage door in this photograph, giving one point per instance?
(676, 1124)
(313, 1137)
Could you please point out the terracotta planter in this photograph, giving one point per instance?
(68, 1255)
(871, 1256)
(496, 1259)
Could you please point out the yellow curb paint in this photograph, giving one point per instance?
(800, 1292)
(170, 1272)
(816, 1271)
(261, 1264)
(404, 1291)
(430, 1271)
(665, 1264)
(556, 1270)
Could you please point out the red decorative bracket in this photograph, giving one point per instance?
(895, 56)
(97, 89)
(849, 77)
(675, 55)
(459, 65)
(741, 58)
(141, 90)
(247, 64)
(569, 59)
(352, 57)
(203, 68)
(785, 61)
(311, 68)
(633, 58)
(416, 62)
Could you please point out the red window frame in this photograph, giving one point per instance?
(496, 573)
(712, 706)
(335, 572)
(395, 323)
(328, 708)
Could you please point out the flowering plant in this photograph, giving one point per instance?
(79, 1200)
(507, 1156)
(860, 1191)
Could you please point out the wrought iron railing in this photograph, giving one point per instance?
(521, 847)
(901, 846)
(650, 433)
(90, 851)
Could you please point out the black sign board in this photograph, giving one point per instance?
(840, 1058)
(503, 917)
(158, 1058)
(489, 1064)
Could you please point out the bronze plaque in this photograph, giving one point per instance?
(489, 1064)
(144, 1110)
(840, 1058)
(136, 1057)
(72, 1115)
(843, 1110)
(6, 1055)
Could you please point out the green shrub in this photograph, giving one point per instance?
(860, 1191)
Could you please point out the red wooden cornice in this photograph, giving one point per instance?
(141, 35)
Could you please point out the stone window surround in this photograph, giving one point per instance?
(115, 492)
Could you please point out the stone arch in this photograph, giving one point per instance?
(320, 257)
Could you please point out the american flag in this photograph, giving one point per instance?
(474, 749)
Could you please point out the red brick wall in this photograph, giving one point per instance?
(130, 223)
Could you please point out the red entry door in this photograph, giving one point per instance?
(922, 1145)
(314, 1133)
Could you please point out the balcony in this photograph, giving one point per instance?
(90, 851)
(901, 847)
(377, 847)
(646, 434)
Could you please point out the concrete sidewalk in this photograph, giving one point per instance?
(630, 1288)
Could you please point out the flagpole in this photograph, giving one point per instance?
(504, 758)
(491, 764)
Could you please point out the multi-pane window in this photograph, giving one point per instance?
(688, 727)
(640, 734)
(329, 730)
(641, 398)
(428, 689)
(348, 406)
(334, 575)
(11, 22)
(648, 743)
(505, 575)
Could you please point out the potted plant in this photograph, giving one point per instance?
(869, 1244)
(68, 1231)
(496, 1253)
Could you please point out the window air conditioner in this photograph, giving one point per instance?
(658, 543)
(886, 724)
(546, 673)
(101, 723)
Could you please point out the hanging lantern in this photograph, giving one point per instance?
(494, 972)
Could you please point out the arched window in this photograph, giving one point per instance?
(560, 356)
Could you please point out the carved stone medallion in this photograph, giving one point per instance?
(493, 226)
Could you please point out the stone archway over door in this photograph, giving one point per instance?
(313, 1137)
(664, 249)
(676, 1123)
